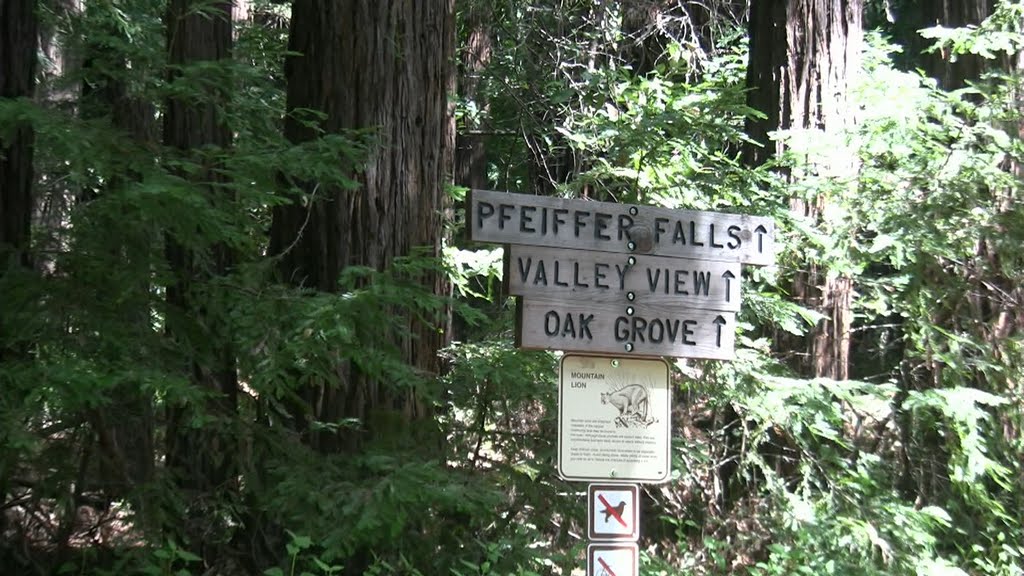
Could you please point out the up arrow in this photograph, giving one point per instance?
(761, 231)
(719, 321)
(728, 275)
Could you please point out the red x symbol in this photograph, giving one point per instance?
(614, 512)
(606, 567)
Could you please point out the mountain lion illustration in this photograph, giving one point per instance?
(630, 400)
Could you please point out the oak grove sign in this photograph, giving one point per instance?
(609, 227)
(641, 329)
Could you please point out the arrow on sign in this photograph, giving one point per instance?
(761, 231)
(719, 321)
(607, 569)
(728, 275)
(615, 512)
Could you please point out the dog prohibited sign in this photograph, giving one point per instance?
(613, 560)
(613, 419)
(613, 512)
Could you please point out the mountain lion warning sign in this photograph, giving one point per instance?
(613, 419)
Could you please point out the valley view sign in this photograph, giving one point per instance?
(617, 278)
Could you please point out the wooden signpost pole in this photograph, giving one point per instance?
(635, 284)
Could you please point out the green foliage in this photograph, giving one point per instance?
(999, 33)
(641, 139)
(914, 468)
(825, 460)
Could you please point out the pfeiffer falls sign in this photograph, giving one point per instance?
(619, 278)
(609, 227)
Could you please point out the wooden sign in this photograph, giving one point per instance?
(650, 330)
(614, 420)
(606, 279)
(620, 228)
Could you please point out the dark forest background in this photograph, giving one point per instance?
(242, 330)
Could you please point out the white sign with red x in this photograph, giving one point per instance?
(613, 512)
(613, 559)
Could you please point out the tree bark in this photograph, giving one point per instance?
(201, 458)
(470, 145)
(987, 299)
(18, 41)
(802, 55)
(125, 426)
(951, 73)
(383, 66)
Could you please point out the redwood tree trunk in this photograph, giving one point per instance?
(988, 300)
(18, 40)
(470, 144)
(802, 54)
(202, 458)
(951, 73)
(385, 66)
(124, 426)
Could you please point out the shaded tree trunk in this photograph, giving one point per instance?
(952, 73)
(125, 426)
(18, 40)
(802, 55)
(54, 191)
(383, 66)
(994, 297)
(470, 143)
(987, 300)
(911, 16)
(201, 458)
(475, 129)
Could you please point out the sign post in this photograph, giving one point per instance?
(636, 283)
